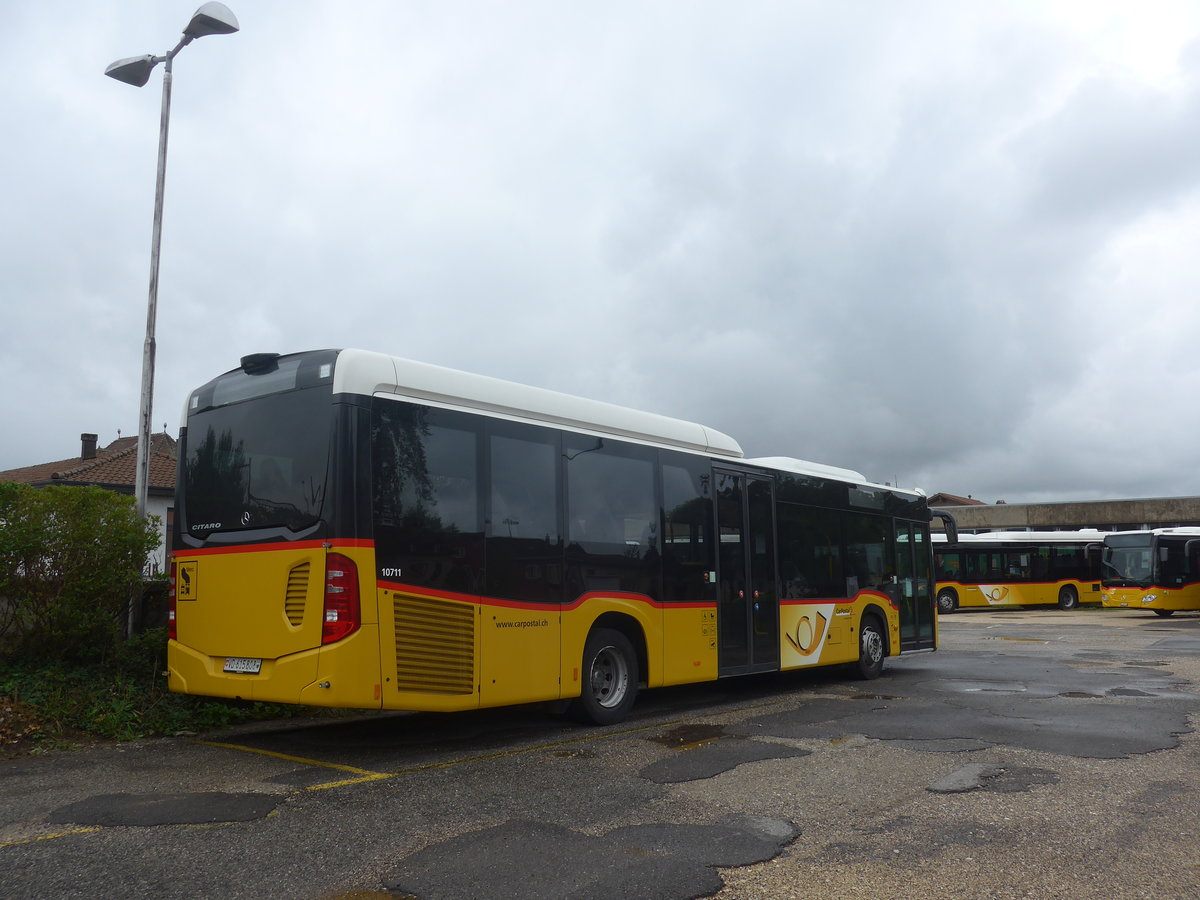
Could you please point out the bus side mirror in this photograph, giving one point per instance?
(948, 523)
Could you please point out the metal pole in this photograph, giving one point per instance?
(142, 478)
(211, 18)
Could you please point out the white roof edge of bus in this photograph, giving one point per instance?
(820, 470)
(804, 467)
(367, 372)
(1076, 534)
(1186, 530)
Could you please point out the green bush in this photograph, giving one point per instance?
(71, 562)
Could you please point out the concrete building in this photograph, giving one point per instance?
(1106, 515)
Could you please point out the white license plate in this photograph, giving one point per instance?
(243, 665)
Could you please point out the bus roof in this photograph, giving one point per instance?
(1033, 537)
(364, 372)
(819, 470)
(1180, 530)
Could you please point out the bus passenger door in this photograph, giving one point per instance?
(914, 587)
(748, 600)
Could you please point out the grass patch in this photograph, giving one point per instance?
(46, 705)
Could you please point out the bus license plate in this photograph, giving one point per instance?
(243, 665)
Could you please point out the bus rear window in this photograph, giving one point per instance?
(258, 464)
(239, 386)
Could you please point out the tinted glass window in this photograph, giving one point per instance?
(612, 519)
(687, 545)
(610, 497)
(869, 564)
(425, 477)
(524, 494)
(810, 552)
(980, 564)
(258, 464)
(949, 566)
(1174, 564)
(524, 547)
(1068, 562)
(1017, 566)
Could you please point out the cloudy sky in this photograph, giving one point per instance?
(950, 245)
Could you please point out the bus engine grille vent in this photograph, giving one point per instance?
(297, 593)
(435, 646)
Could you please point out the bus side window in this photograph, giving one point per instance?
(687, 543)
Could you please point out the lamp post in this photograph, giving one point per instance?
(211, 18)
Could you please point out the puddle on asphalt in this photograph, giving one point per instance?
(689, 735)
(1082, 695)
(975, 687)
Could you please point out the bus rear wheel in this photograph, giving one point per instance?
(610, 679)
(947, 601)
(871, 649)
(1068, 598)
(1164, 612)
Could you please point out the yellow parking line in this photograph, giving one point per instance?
(49, 837)
(363, 774)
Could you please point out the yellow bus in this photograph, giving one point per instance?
(1018, 568)
(1157, 569)
(358, 530)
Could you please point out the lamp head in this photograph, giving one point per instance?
(211, 18)
(135, 70)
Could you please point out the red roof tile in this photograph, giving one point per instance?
(114, 467)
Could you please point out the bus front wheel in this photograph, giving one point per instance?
(947, 601)
(1164, 612)
(610, 679)
(1068, 598)
(871, 649)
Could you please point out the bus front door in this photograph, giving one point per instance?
(748, 612)
(914, 587)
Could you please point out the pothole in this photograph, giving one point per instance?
(689, 735)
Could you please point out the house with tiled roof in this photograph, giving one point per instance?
(114, 468)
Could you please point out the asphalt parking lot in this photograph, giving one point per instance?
(1038, 753)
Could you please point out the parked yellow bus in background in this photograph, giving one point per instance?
(1018, 568)
(1157, 569)
(358, 530)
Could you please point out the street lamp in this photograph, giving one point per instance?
(211, 18)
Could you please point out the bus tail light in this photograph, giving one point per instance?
(342, 615)
(171, 632)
